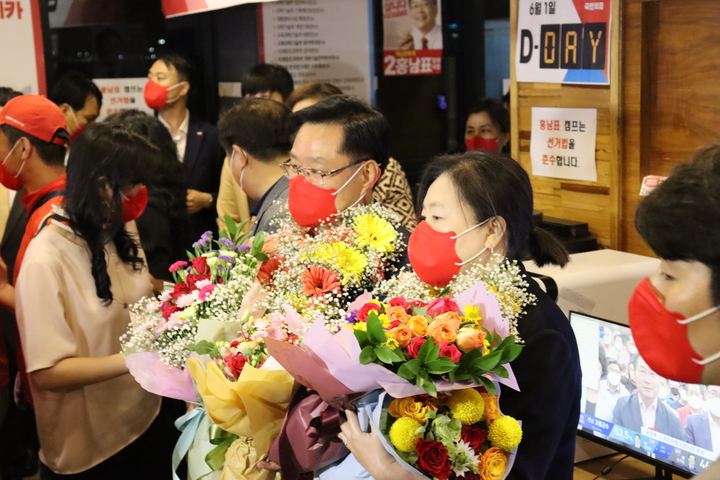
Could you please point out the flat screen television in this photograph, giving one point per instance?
(629, 408)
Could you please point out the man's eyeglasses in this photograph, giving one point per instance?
(316, 177)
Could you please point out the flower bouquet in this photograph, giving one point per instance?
(204, 303)
(460, 434)
(319, 271)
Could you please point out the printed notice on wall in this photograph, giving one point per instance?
(121, 94)
(21, 47)
(562, 143)
(413, 42)
(563, 41)
(321, 41)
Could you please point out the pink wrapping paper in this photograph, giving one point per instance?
(158, 378)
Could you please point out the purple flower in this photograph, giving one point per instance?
(242, 247)
(350, 317)
(230, 260)
(226, 241)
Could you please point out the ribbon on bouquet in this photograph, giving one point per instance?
(188, 424)
(222, 440)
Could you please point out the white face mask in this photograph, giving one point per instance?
(694, 402)
(662, 394)
(613, 379)
(713, 405)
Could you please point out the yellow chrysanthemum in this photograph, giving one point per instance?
(384, 319)
(362, 326)
(402, 434)
(467, 406)
(348, 260)
(299, 303)
(392, 343)
(375, 232)
(505, 433)
(486, 350)
(472, 314)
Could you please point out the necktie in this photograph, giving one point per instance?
(424, 43)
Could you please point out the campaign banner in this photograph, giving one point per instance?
(325, 41)
(413, 42)
(20, 43)
(175, 8)
(562, 143)
(563, 41)
(121, 94)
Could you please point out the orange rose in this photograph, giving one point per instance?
(408, 407)
(491, 407)
(418, 325)
(403, 335)
(270, 247)
(451, 317)
(397, 313)
(493, 464)
(443, 330)
(469, 339)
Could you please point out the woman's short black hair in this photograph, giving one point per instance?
(680, 218)
(494, 185)
(366, 131)
(260, 126)
(7, 94)
(496, 110)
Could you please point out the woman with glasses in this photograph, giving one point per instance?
(80, 275)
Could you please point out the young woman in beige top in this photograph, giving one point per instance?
(80, 274)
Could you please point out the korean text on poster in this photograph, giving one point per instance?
(21, 47)
(563, 41)
(413, 42)
(121, 94)
(562, 143)
(320, 41)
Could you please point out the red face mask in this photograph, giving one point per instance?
(479, 143)
(661, 337)
(133, 207)
(9, 181)
(311, 205)
(156, 96)
(76, 133)
(432, 254)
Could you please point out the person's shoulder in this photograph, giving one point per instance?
(198, 124)
(623, 402)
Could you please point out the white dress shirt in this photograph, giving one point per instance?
(648, 414)
(180, 138)
(434, 38)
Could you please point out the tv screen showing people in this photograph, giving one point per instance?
(627, 404)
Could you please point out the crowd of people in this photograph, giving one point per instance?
(87, 191)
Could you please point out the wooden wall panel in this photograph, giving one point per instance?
(597, 203)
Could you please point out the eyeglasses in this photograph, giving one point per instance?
(316, 177)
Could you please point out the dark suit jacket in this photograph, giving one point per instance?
(548, 404)
(627, 414)
(273, 205)
(203, 161)
(697, 430)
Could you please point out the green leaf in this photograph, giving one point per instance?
(361, 337)
(501, 371)
(413, 366)
(421, 378)
(511, 353)
(486, 363)
(375, 330)
(384, 354)
(422, 311)
(367, 355)
(406, 373)
(487, 383)
(430, 387)
(440, 366)
(507, 341)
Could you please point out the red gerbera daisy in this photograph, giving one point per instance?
(317, 281)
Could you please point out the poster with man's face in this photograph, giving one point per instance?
(413, 40)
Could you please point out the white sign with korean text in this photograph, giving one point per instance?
(562, 143)
(321, 41)
(21, 49)
(121, 94)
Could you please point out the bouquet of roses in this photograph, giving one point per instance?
(458, 434)
(204, 303)
(319, 271)
(424, 343)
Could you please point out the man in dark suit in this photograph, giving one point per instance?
(197, 140)
(644, 409)
(699, 427)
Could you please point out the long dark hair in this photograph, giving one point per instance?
(105, 155)
(493, 184)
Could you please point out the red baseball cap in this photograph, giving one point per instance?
(36, 116)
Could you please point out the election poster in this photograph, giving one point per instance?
(563, 41)
(122, 94)
(413, 41)
(562, 143)
(21, 46)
